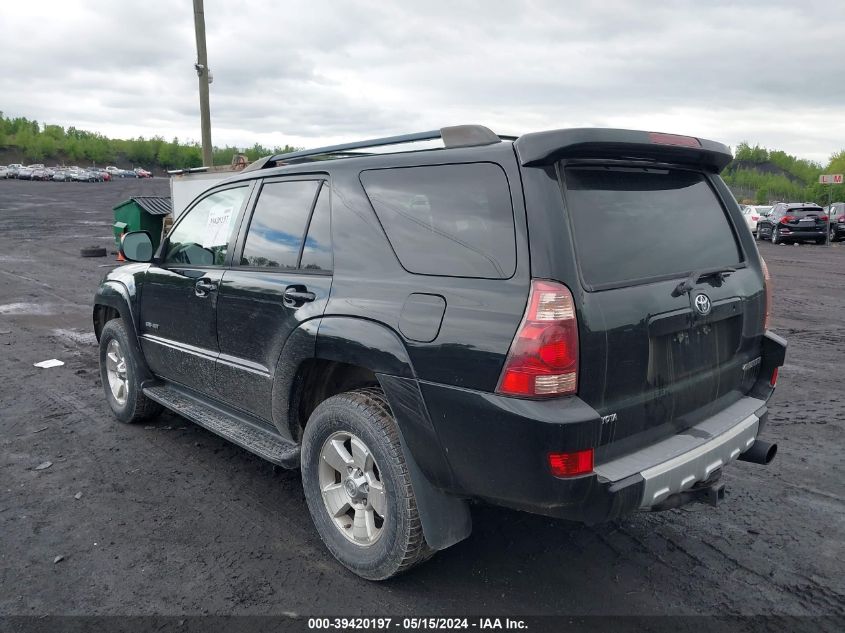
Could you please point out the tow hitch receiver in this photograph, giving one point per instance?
(714, 493)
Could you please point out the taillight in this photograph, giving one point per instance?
(774, 379)
(543, 358)
(571, 464)
(754, 218)
(787, 218)
(823, 218)
(767, 290)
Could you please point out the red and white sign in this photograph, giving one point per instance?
(831, 179)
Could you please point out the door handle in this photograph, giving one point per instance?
(203, 287)
(295, 296)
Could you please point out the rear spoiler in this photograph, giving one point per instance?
(543, 148)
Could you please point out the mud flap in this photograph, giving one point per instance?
(446, 520)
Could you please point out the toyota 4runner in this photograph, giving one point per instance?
(572, 323)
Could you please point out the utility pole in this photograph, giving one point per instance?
(202, 72)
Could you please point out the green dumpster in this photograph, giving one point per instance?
(141, 213)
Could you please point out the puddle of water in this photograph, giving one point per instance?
(27, 308)
(10, 258)
(76, 336)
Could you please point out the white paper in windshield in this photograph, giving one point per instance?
(217, 228)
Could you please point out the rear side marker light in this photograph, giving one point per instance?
(774, 379)
(659, 138)
(543, 358)
(571, 464)
(767, 293)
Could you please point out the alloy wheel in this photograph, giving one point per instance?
(116, 372)
(352, 489)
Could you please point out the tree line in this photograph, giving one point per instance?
(773, 175)
(768, 175)
(38, 143)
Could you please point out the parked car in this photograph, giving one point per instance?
(142, 173)
(836, 213)
(4, 172)
(791, 222)
(61, 175)
(38, 173)
(24, 173)
(417, 329)
(752, 215)
(14, 168)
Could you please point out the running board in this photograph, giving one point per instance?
(227, 424)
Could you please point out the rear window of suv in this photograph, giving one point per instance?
(635, 224)
(804, 212)
(450, 220)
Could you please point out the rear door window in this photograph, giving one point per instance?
(317, 251)
(278, 224)
(451, 220)
(635, 224)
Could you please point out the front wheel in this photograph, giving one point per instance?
(119, 373)
(357, 486)
(832, 235)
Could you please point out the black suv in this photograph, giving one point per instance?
(571, 323)
(791, 222)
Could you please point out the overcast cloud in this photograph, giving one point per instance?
(313, 72)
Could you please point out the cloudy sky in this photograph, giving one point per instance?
(314, 72)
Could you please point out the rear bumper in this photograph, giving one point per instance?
(497, 449)
(679, 462)
(804, 234)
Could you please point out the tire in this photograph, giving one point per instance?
(360, 422)
(832, 235)
(92, 251)
(776, 239)
(821, 240)
(128, 404)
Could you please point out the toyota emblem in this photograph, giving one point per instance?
(702, 304)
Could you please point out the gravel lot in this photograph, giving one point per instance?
(170, 519)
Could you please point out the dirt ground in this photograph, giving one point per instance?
(169, 519)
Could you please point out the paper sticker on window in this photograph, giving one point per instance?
(217, 228)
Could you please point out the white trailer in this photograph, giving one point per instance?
(187, 184)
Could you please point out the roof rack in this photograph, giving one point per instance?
(454, 136)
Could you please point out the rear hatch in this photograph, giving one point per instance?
(804, 220)
(667, 281)
(670, 315)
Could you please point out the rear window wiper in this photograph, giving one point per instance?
(697, 275)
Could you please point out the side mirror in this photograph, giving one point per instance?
(136, 246)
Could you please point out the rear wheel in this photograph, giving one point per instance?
(357, 486)
(776, 238)
(832, 235)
